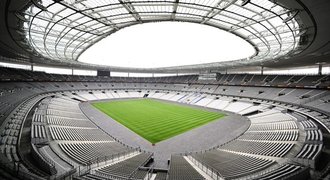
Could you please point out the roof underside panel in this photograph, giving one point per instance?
(65, 29)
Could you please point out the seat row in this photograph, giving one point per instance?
(78, 134)
(288, 135)
(64, 107)
(310, 151)
(276, 149)
(62, 121)
(38, 131)
(276, 117)
(39, 118)
(314, 135)
(66, 113)
(308, 124)
(88, 153)
(287, 125)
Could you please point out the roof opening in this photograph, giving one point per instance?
(166, 44)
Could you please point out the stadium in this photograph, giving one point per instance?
(68, 113)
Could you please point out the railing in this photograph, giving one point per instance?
(102, 161)
(313, 98)
(128, 177)
(149, 173)
(14, 167)
(64, 175)
(213, 173)
(142, 164)
(112, 176)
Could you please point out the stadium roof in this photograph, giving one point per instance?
(57, 32)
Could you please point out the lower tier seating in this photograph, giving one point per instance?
(280, 173)
(88, 153)
(232, 165)
(180, 169)
(127, 168)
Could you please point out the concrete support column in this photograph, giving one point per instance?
(320, 69)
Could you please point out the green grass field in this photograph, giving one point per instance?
(156, 120)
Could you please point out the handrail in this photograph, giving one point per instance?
(149, 157)
(111, 158)
(199, 163)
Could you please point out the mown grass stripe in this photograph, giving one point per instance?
(156, 120)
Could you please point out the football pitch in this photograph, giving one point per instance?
(156, 120)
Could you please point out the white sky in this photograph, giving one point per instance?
(166, 44)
